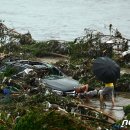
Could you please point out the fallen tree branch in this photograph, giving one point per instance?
(60, 55)
(2, 122)
(105, 114)
(94, 118)
(91, 79)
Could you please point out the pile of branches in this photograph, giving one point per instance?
(8, 35)
(95, 44)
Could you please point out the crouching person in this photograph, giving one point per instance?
(82, 89)
(83, 92)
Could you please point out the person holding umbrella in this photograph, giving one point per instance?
(107, 71)
(107, 90)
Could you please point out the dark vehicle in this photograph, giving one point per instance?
(50, 75)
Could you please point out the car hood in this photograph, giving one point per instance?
(64, 84)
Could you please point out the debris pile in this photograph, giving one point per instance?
(10, 36)
(23, 91)
(30, 89)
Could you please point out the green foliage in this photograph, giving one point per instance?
(89, 46)
(1, 76)
(124, 78)
(126, 109)
(95, 83)
(128, 116)
(37, 49)
(36, 120)
(123, 83)
(52, 98)
(9, 71)
(44, 48)
(2, 127)
(29, 122)
(10, 48)
(6, 121)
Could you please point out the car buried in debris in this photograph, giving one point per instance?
(50, 75)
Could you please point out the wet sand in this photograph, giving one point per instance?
(51, 60)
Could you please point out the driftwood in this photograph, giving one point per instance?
(2, 122)
(105, 114)
(94, 118)
(59, 55)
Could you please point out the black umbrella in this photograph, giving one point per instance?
(106, 69)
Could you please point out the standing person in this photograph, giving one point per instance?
(107, 90)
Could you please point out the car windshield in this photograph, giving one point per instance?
(51, 72)
(53, 77)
